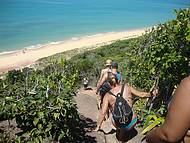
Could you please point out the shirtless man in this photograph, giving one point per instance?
(103, 72)
(114, 70)
(109, 101)
(177, 123)
(102, 79)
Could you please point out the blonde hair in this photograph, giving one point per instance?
(112, 80)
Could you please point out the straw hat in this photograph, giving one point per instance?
(108, 62)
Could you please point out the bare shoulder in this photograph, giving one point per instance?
(127, 87)
(127, 91)
(104, 70)
(186, 83)
(184, 88)
(182, 94)
(107, 97)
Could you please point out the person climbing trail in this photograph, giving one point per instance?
(99, 90)
(109, 103)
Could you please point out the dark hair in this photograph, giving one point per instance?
(114, 65)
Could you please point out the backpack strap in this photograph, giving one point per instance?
(112, 93)
(121, 93)
(122, 89)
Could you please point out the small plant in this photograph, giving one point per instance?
(151, 122)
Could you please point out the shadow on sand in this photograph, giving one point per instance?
(86, 126)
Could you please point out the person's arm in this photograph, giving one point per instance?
(177, 121)
(120, 82)
(102, 112)
(127, 95)
(101, 76)
(139, 93)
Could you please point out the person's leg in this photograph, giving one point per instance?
(99, 102)
(113, 123)
(99, 98)
(107, 115)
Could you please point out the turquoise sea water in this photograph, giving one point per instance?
(24, 23)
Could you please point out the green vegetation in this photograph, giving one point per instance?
(41, 102)
(162, 53)
(40, 99)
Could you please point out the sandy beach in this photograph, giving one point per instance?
(25, 57)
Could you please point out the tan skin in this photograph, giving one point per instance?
(133, 90)
(103, 76)
(177, 122)
(108, 101)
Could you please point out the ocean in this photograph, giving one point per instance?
(31, 23)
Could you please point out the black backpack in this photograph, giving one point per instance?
(105, 87)
(122, 112)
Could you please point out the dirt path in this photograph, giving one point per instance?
(87, 107)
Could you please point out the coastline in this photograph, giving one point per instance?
(27, 56)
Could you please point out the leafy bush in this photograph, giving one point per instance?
(41, 99)
(41, 102)
(164, 53)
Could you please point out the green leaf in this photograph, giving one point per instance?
(36, 140)
(61, 136)
(44, 120)
(40, 114)
(150, 127)
(35, 121)
(27, 134)
(161, 120)
(39, 126)
(49, 126)
(40, 139)
(188, 37)
(148, 120)
(56, 115)
(18, 139)
(188, 31)
(8, 98)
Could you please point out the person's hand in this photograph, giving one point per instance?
(155, 92)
